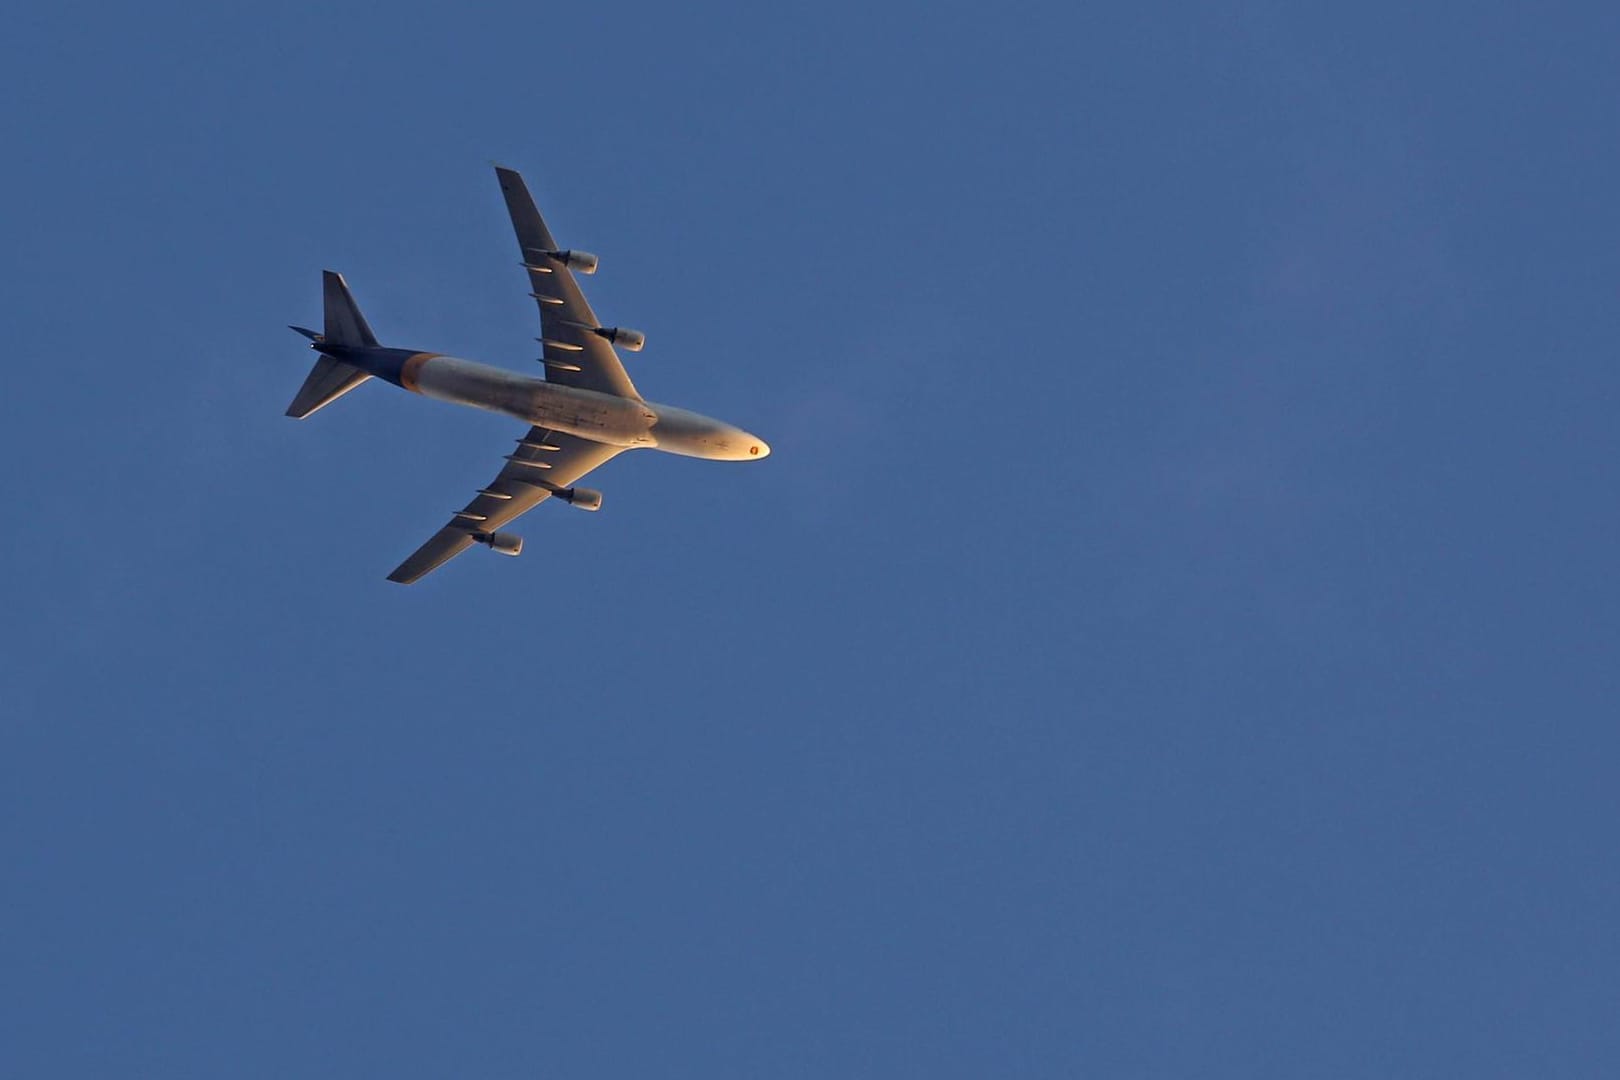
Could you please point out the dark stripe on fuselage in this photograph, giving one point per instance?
(398, 366)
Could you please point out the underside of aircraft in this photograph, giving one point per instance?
(582, 413)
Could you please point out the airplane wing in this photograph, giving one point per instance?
(542, 458)
(572, 354)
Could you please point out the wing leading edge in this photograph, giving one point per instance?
(543, 461)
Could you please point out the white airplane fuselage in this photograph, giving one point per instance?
(603, 418)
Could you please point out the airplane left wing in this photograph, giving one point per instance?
(543, 461)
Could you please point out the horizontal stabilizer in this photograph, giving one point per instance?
(328, 380)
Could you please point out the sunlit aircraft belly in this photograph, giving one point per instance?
(602, 418)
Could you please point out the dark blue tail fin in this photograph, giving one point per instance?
(344, 323)
(331, 378)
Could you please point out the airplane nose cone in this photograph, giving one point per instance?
(758, 447)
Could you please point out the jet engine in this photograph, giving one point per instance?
(622, 336)
(580, 498)
(583, 261)
(535, 259)
(505, 543)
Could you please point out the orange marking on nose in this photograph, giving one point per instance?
(409, 369)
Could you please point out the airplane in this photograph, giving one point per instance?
(584, 412)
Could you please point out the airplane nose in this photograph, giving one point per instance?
(758, 447)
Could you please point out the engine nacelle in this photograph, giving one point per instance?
(581, 498)
(505, 543)
(583, 261)
(622, 336)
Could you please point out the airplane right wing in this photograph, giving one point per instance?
(543, 462)
(573, 354)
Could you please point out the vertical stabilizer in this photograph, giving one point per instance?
(331, 378)
(344, 323)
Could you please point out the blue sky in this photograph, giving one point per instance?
(1175, 632)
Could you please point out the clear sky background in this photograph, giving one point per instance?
(1175, 633)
